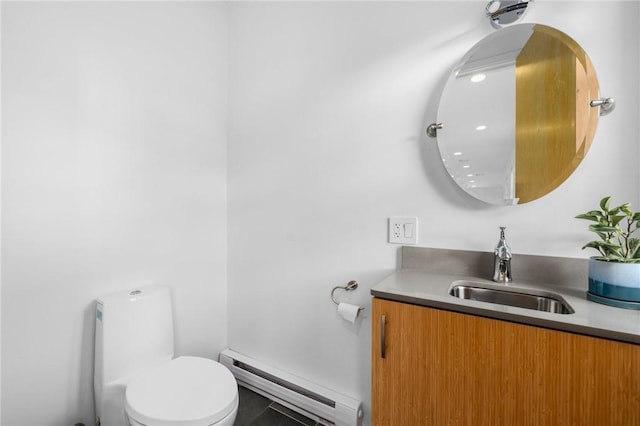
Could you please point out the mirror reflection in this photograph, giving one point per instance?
(515, 114)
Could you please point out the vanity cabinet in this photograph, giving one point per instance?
(436, 367)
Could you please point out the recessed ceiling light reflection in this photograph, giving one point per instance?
(481, 127)
(466, 166)
(477, 78)
(457, 153)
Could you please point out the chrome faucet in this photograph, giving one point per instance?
(502, 260)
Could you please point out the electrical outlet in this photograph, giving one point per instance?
(403, 230)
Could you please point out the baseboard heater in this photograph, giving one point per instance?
(323, 405)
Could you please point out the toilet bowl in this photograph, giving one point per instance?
(138, 382)
(186, 391)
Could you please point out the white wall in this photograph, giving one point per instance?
(0, 216)
(114, 172)
(113, 176)
(329, 102)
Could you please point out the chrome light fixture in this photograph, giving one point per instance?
(502, 13)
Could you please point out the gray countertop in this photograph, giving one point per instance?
(427, 274)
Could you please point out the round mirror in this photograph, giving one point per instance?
(515, 114)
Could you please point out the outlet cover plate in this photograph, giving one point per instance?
(403, 230)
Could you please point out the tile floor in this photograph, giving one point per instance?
(256, 410)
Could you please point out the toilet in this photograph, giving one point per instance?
(137, 380)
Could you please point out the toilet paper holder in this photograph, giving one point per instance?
(351, 285)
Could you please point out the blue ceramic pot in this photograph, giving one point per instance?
(615, 284)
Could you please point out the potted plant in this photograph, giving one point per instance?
(614, 275)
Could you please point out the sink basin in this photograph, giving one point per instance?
(519, 297)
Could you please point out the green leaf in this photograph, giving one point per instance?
(615, 220)
(590, 216)
(591, 244)
(634, 248)
(627, 211)
(605, 248)
(603, 228)
(604, 203)
(614, 254)
(611, 248)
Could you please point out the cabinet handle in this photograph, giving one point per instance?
(383, 345)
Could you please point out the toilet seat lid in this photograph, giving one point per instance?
(186, 391)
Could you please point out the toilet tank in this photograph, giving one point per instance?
(134, 331)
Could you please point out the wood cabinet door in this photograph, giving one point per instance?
(444, 368)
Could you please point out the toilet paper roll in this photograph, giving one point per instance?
(348, 311)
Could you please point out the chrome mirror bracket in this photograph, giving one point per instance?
(606, 105)
(432, 129)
